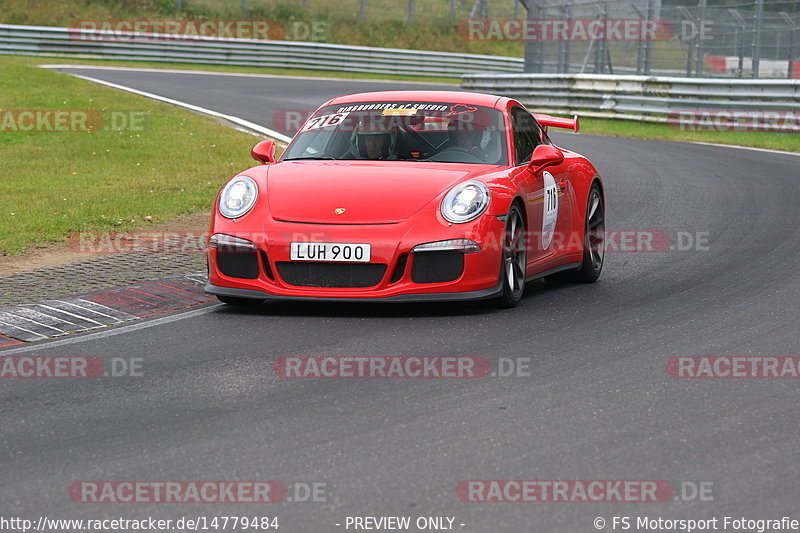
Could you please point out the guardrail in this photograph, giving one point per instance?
(643, 98)
(50, 41)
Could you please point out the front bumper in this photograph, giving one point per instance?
(391, 246)
(483, 294)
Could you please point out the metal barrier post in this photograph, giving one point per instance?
(563, 46)
(792, 30)
(648, 46)
(742, 25)
(689, 47)
(699, 54)
(757, 26)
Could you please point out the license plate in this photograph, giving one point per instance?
(330, 251)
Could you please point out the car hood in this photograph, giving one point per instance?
(368, 192)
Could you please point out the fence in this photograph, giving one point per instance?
(754, 38)
(643, 98)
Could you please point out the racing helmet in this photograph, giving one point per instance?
(468, 127)
(375, 126)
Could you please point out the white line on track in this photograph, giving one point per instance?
(746, 148)
(230, 118)
(41, 346)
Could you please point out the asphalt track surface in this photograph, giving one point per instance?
(598, 403)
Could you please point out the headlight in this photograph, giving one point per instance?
(465, 202)
(238, 197)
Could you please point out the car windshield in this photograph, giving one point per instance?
(446, 132)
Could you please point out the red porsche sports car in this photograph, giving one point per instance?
(406, 196)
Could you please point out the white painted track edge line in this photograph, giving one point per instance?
(191, 107)
(739, 147)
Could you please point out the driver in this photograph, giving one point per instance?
(374, 139)
(465, 133)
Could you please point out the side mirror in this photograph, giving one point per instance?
(543, 156)
(264, 152)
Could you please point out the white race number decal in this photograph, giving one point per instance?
(549, 210)
(324, 121)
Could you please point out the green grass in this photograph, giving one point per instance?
(55, 183)
(642, 130)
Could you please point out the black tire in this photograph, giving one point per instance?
(239, 302)
(514, 260)
(593, 242)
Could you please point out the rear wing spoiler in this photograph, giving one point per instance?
(558, 122)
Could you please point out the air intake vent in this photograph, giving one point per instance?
(314, 274)
(437, 267)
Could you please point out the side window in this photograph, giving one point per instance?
(527, 134)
